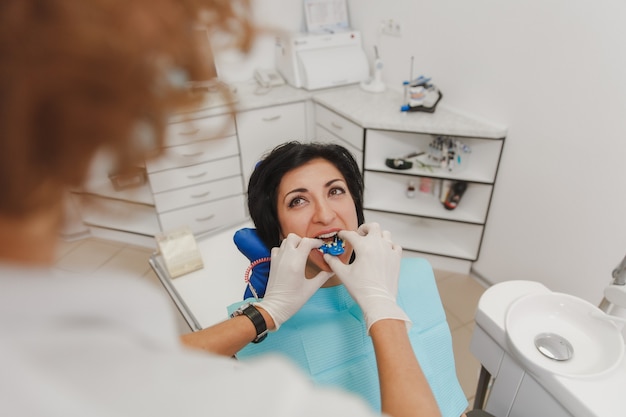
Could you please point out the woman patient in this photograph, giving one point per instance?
(316, 190)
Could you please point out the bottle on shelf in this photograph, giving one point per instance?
(454, 195)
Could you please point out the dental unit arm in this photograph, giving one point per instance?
(615, 293)
(619, 273)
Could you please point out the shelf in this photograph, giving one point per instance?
(103, 187)
(387, 192)
(480, 166)
(439, 237)
(118, 215)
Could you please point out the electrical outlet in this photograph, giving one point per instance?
(391, 27)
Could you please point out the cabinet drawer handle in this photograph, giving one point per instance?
(200, 195)
(192, 155)
(189, 132)
(203, 219)
(191, 177)
(336, 126)
(271, 119)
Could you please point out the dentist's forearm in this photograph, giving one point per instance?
(403, 387)
(228, 337)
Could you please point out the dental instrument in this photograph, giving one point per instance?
(334, 248)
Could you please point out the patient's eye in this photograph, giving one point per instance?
(337, 191)
(296, 202)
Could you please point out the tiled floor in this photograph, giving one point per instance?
(459, 293)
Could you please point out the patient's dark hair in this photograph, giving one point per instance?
(264, 182)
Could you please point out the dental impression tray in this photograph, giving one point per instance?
(335, 248)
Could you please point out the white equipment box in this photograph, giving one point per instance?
(314, 61)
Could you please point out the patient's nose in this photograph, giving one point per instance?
(324, 213)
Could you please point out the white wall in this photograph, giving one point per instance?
(553, 72)
(272, 16)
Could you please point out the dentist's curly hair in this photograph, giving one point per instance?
(78, 76)
(266, 177)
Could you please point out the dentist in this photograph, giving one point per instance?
(81, 77)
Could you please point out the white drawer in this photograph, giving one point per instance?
(340, 126)
(200, 129)
(195, 174)
(274, 119)
(202, 193)
(260, 130)
(324, 136)
(205, 217)
(194, 153)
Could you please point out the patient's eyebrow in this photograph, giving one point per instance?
(304, 190)
(331, 182)
(296, 190)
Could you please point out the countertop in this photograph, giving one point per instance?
(582, 397)
(382, 111)
(369, 110)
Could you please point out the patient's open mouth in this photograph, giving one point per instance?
(333, 244)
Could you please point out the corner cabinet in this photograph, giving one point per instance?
(419, 222)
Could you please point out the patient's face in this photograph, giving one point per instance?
(314, 201)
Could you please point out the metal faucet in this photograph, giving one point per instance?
(619, 273)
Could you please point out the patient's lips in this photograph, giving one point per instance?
(333, 244)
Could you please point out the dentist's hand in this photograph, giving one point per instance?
(372, 279)
(287, 288)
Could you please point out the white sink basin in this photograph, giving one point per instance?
(562, 321)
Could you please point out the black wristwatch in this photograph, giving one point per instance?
(257, 319)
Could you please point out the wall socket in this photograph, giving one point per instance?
(391, 27)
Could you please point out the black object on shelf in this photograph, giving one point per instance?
(454, 195)
(398, 163)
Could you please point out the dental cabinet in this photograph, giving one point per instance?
(449, 239)
(333, 128)
(508, 388)
(197, 181)
(201, 179)
(262, 129)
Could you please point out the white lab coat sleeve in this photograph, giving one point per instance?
(71, 346)
(289, 393)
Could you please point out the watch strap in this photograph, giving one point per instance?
(256, 318)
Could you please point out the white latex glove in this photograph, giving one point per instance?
(372, 279)
(287, 288)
